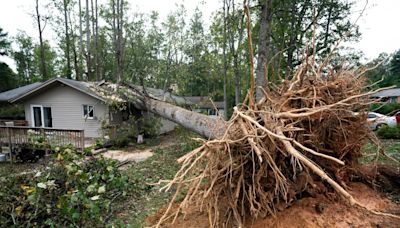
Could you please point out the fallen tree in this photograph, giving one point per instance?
(304, 137)
(168, 107)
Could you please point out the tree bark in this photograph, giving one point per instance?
(88, 61)
(74, 51)
(67, 55)
(263, 46)
(42, 55)
(208, 127)
(236, 51)
(96, 43)
(79, 75)
(225, 5)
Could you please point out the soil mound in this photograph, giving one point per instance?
(318, 211)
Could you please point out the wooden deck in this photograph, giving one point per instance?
(19, 135)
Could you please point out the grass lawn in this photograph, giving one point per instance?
(391, 147)
(145, 198)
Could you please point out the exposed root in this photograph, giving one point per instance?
(304, 135)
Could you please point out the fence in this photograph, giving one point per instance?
(13, 136)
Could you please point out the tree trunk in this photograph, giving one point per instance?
(225, 60)
(263, 45)
(208, 127)
(79, 76)
(74, 51)
(42, 56)
(96, 43)
(88, 62)
(67, 56)
(236, 51)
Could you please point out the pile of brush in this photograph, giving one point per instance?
(304, 137)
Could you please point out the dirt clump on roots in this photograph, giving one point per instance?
(304, 137)
(317, 211)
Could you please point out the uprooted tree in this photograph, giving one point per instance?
(304, 135)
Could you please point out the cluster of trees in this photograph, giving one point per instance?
(385, 70)
(113, 41)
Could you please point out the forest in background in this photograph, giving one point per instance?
(115, 42)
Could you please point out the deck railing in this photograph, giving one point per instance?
(13, 136)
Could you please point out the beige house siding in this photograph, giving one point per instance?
(67, 109)
(166, 126)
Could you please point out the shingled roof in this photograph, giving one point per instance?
(93, 89)
(387, 93)
(14, 93)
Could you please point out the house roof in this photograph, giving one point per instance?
(14, 93)
(387, 93)
(204, 102)
(84, 87)
(104, 91)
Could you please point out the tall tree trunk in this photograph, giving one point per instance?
(96, 43)
(74, 51)
(117, 24)
(79, 74)
(121, 39)
(67, 55)
(225, 60)
(42, 56)
(236, 51)
(88, 61)
(263, 45)
(114, 35)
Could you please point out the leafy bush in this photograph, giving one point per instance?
(149, 125)
(129, 130)
(12, 111)
(389, 132)
(70, 191)
(385, 109)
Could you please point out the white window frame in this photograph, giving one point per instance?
(83, 111)
(41, 112)
(33, 115)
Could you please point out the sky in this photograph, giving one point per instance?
(379, 24)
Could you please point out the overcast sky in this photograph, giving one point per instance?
(379, 24)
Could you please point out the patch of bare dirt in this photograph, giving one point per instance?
(312, 212)
(123, 156)
(138, 155)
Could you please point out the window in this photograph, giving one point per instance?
(41, 116)
(212, 112)
(88, 111)
(370, 116)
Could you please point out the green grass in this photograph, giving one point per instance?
(145, 198)
(391, 147)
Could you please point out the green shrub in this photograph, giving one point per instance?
(385, 109)
(128, 131)
(389, 132)
(70, 191)
(14, 111)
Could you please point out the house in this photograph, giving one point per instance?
(203, 104)
(62, 103)
(390, 95)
